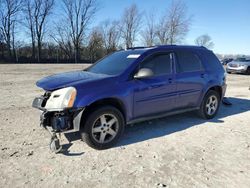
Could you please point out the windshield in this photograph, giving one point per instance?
(115, 63)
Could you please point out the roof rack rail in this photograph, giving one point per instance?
(137, 47)
(167, 45)
(163, 45)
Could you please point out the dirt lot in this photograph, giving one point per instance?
(177, 151)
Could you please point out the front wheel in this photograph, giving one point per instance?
(210, 105)
(103, 128)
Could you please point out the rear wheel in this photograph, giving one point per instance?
(103, 127)
(210, 105)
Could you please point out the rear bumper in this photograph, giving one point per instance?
(236, 69)
(64, 121)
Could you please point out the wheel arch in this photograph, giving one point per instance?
(115, 102)
(216, 88)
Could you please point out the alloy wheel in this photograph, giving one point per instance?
(211, 105)
(105, 128)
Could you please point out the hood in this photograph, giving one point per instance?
(61, 80)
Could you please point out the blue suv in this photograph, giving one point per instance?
(129, 86)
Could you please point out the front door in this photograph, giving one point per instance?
(157, 93)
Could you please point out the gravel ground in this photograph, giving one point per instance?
(177, 151)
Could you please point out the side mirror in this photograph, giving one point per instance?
(144, 73)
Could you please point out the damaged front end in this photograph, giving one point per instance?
(64, 121)
(58, 114)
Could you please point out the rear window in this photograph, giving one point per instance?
(188, 62)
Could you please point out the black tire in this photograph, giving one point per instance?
(203, 112)
(248, 71)
(94, 118)
(229, 72)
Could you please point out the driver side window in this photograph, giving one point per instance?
(160, 64)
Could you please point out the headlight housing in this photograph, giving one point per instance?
(61, 99)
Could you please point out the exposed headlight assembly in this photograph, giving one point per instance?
(61, 99)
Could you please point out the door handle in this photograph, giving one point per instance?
(170, 80)
(202, 75)
(157, 85)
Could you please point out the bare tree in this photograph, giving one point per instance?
(162, 32)
(178, 21)
(2, 44)
(149, 33)
(42, 9)
(204, 40)
(174, 26)
(13, 38)
(95, 46)
(78, 14)
(62, 37)
(30, 23)
(110, 34)
(130, 25)
(9, 10)
(1, 37)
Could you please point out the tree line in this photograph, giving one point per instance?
(69, 38)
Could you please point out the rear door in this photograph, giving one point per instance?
(190, 78)
(155, 94)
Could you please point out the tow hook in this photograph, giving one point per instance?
(55, 144)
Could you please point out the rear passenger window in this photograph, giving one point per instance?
(188, 62)
(160, 64)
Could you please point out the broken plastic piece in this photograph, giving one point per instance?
(55, 144)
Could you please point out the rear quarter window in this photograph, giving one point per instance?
(212, 62)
